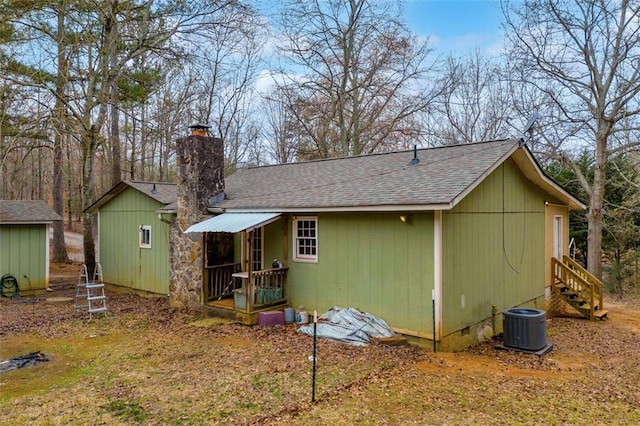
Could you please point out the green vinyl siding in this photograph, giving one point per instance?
(123, 261)
(493, 249)
(23, 254)
(373, 262)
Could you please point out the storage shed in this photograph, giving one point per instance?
(133, 238)
(24, 242)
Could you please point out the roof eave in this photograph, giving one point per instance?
(29, 222)
(112, 193)
(532, 170)
(106, 197)
(337, 209)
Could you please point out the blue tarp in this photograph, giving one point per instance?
(349, 325)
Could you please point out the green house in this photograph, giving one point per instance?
(24, 244)
(454, 234)
(133, 239)
(438, 242)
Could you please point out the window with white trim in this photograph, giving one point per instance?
(305, 238)
(144, 236)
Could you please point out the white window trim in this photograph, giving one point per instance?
(261, 229)
(141, 230)
(296, 256)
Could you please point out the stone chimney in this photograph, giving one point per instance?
(200, 161)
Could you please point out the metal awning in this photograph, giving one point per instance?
(233, 222)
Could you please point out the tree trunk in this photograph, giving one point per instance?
(116, 151)
(88, 147)
(59, 248)
(596, 202)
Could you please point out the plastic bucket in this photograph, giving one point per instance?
(289, 315)
(302, 317)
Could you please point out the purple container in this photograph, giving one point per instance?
(271, 318)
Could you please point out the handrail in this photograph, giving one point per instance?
(578, 282)
(572, 248)
(588, 276)
(581, 270)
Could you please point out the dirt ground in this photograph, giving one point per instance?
(147, 363)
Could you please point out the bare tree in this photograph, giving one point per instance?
(225, 70)
(475, 103)
(279, 128)
(584, 57)
(60, 128)
(356, 75)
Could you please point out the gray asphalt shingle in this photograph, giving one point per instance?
(26, 211)
(385, 179)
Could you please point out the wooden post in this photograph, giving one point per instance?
(250, 290)
(285, 233)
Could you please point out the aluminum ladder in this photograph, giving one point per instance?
(90, 295)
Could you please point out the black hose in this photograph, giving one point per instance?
(8, 282)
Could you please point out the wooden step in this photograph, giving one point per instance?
(600, 313)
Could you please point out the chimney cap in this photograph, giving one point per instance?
(198, 126)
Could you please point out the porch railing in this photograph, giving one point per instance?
(219, 282)
(269, 286)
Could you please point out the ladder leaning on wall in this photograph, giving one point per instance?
(90, 295)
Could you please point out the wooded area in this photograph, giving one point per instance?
(93, 92)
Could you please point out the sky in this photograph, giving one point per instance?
(454, 27)
(457, 26)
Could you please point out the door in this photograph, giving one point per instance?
(257, 251)
(558, 237)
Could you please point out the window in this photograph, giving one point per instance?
(305, 234)
(256, 254)
(144, 236)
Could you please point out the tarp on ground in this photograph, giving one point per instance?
(349, 325)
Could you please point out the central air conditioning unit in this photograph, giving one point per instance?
(525, 329)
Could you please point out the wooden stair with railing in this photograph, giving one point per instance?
(578, 287)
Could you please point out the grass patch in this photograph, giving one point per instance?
(126, 410)
(148, 364)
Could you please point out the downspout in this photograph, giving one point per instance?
(437, 275)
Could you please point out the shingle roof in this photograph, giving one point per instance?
(26, 211)
(385, 181)
(165, 192)
(373, 181)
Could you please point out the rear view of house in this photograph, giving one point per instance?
(438, 242)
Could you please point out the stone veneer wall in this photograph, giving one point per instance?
(200, 161)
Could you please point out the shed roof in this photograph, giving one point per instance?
(386, 181)
(163, 192)
(26, 211)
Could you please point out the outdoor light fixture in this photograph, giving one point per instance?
(405, 218)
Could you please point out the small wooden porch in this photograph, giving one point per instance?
(227, 290)
(241, 290)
